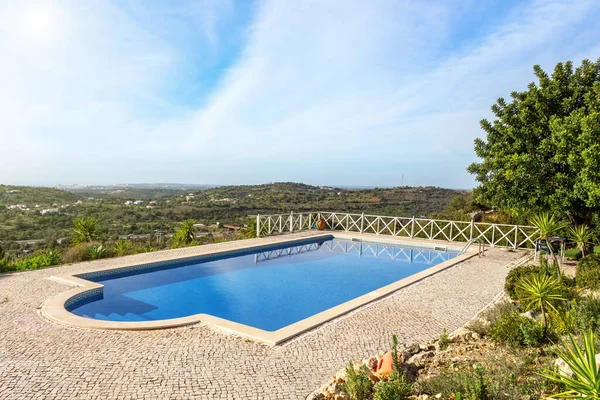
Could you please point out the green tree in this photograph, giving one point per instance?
(85, 230)
(542, 151)
(541, 292)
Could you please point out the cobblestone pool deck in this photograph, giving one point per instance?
(40, 359)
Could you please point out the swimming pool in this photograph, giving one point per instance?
(267, 289)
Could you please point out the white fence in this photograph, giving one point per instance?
(501, 235)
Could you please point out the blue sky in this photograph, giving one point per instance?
(243, 92)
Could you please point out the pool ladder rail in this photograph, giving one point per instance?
(481, 249)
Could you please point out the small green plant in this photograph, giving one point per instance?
(395, 388)
(541, 292)
(585, 384)
(358, 384)
(588, 272)
(185, 235)
(85, 230)
(476, 384)
(581, 236)
(250, 229)
(123, 247)
(515, 276)
(548, 226)
(515, 330)
(96, 252)
(444, 341)
(587, 315)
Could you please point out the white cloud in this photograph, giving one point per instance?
(323, 92)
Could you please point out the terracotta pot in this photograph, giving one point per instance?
(321, 224)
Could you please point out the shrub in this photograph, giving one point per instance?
(588, 272)
(516, 330)
(515, 276)
(184, 236)
(96, 252)
(78, 252)
(42, 259)
(123, 247)
(587, 315)
(472, 384)
(444, 341)
(358, 384)
(392, 389)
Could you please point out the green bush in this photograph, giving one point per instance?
(588, 272)
(472, 384)
(78, 252)
(396, 388)
(515, 330)
(515, 276)
(39, 260)
(587, 315)
(358, 384)
(97, 252)
(123, 247)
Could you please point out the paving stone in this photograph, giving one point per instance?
(43, 360)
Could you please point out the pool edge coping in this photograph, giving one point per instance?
(55, 309)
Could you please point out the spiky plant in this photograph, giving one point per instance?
(85, 230)
(123, 247)
(585, 383)
(541, 292)
(548, 226)
(581, 236)
(185, 235)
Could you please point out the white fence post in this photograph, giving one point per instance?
(412, 227)
(471, 233)
(300, 221)
(515, 245)
(291, 221)
(362, 222)
(258, 225)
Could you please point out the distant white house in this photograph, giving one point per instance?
(138, 202)
(90, 198)
(78, 202)
(13, 191)
(128, 203)
(49, 211)
(18, 207)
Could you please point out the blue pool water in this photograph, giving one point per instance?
(267, 289)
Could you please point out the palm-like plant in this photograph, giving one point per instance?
(185, 235)
(541, 292)
(582, 236)
(548, 226)
(85, 230)
(585, 384)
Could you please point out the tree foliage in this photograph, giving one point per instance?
(85, 230)
(542, 151)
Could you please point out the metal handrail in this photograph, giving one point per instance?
(480, 250)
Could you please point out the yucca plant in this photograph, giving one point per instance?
(185, 235)
(585, 383)
(548, 226)
(541, 292)
(123, 247)
(85, 230)
(96, 252)
(581, 236)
